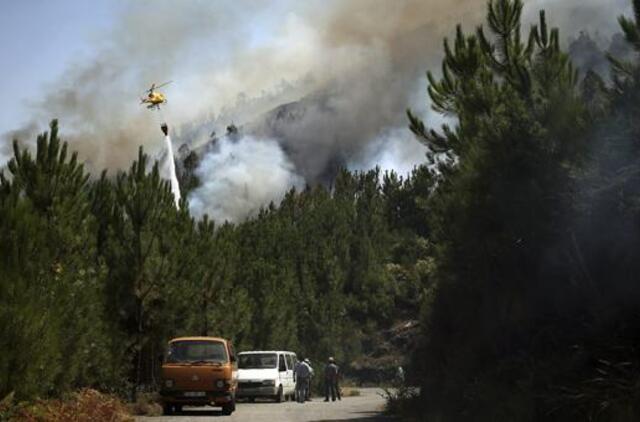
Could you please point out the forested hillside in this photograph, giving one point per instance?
(516, 245)
(99, 272)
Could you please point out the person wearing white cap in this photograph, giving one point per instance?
(308, 362)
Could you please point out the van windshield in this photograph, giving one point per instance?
(197, 351)
(257, 361)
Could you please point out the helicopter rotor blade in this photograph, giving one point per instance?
(161, 85)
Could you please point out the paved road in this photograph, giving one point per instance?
(363, 408)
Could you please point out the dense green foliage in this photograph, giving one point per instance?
(535, 302)
(52, 334)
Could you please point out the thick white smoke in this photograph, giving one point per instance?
(393, 150)
(5, 154)
(27, 136)
(240, 176)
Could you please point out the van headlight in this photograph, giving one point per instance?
(220, 383)
(168, 383)
(269, 382)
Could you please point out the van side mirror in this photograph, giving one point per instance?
(233, 358)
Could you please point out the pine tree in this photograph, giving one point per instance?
(51, 308)
(147, 255)
(501, 205)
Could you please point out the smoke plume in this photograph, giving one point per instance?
(327, 80)
(239, 176)
(394, 150)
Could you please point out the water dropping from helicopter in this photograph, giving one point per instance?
(171, 166)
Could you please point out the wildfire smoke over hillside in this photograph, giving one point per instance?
(328, 81)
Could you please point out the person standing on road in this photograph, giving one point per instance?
(308, 362)
(331, 374)
(301, 373)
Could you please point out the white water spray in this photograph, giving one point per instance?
(171, 166)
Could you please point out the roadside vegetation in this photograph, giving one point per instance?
(84, 405)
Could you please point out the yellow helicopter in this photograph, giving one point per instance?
(154, 99)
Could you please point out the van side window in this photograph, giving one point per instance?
(281, 366)
(289, 359)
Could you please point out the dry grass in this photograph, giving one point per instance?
(83, 406)
(146, 404)
(350, 392)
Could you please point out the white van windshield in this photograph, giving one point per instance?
(257, 361)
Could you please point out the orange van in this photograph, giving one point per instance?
(199, 371)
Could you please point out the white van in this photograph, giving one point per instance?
(266, 374)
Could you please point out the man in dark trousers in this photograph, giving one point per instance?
(331, 375)
(301, 374)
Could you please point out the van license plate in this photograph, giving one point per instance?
(194, 394)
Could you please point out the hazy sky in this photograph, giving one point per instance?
(39, 39)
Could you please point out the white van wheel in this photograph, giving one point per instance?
(280, 396)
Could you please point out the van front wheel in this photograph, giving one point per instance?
(167, 409)
(280, 396)
(229, 408)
